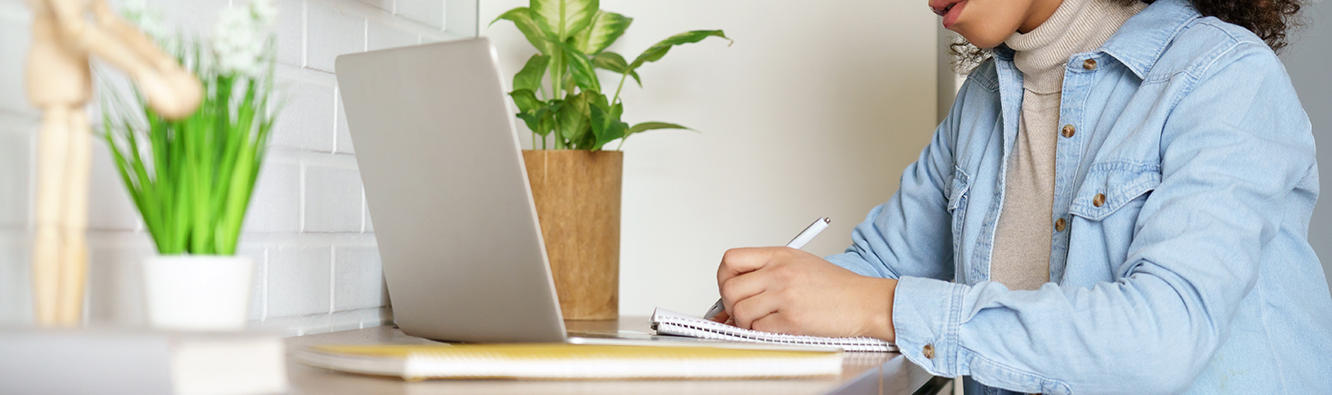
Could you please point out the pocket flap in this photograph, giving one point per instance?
(1119, 182)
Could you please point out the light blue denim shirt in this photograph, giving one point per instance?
(1185, 191)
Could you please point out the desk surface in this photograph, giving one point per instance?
(862, 373)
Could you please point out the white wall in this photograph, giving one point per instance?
(813, 112)
(1306, 60)
(307, 229)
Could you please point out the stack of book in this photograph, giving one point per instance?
(140, 362)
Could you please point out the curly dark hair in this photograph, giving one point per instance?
(1269, 19)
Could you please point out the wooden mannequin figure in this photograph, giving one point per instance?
(59, 83)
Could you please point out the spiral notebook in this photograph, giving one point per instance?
(667, 322)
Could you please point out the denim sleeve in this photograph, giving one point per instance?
(911, 234)
(1235, 144)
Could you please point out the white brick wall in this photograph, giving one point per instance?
(332, 198)
(308, 229)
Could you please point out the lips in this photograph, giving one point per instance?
(941, 7)
(950, 10)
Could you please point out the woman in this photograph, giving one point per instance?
(1121, 194)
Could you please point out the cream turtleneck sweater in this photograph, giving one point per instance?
(1022, 245)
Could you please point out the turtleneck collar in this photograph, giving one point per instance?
(1076, 26)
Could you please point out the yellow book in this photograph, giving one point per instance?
(569, 362)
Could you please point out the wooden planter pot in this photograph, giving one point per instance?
(577, 196)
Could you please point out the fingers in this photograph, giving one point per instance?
(738, 261)
(776, 323)
(740, 287)
(722, 317)
(753, 308)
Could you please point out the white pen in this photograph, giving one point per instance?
(798, 242)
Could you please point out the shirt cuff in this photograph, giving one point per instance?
(858, 265)
(926, 317)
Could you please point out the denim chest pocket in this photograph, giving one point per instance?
(1111, 186)
(957, 204)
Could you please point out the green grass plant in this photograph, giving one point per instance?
(192, 178)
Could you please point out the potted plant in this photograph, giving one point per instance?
(575, 181)
(191, 179)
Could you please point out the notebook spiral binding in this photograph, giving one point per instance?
(671, 325)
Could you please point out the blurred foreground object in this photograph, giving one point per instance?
(71, 362)
(191, 179)
(59, 83)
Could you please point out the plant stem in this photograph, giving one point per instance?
(617, 90)
(623, 77)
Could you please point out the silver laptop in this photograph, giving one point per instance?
(446, 185)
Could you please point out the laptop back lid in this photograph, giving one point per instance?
(446, 186)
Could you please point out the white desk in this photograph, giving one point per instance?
(862, 374)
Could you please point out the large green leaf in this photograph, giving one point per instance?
(526, 100)
(561, 19)
(530, 119)
(581, 68)
(558, 73)
(546, 118)
(658, 50)
(530, 77)
(606, 27)
(646, 126)
(573, 119)
(569, 82)
(523, 18)
(598, 99)
(606, 124)
(539, 116)
(528, 104)
(614, 62)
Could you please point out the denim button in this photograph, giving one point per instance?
(1069, 130)
(1099, 200)
(928, 351)
(1089, 64)
(1060, 225)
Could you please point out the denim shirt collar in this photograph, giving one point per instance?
(1139, 43)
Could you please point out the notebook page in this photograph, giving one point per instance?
(668, 322)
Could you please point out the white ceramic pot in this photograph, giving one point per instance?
(198, 292)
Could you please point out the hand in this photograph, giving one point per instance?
(785, 290)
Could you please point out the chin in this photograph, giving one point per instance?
(985, 41)
(986, 44)
(982, 35)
